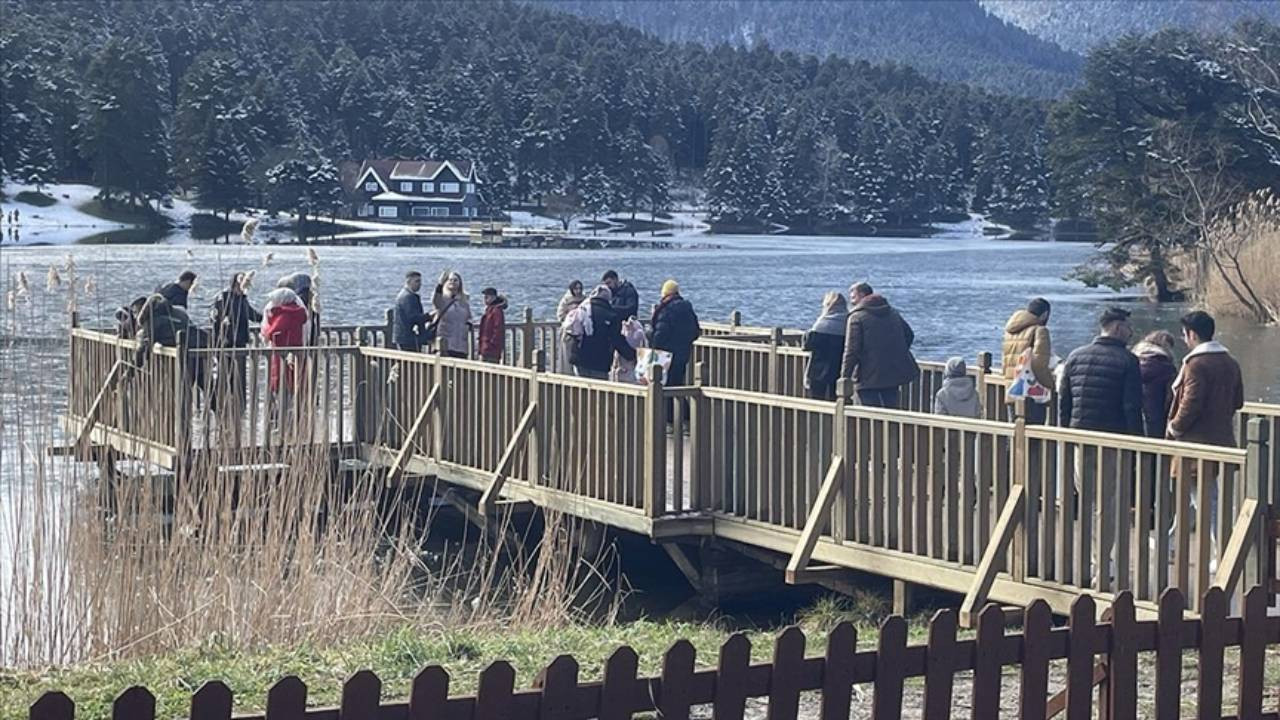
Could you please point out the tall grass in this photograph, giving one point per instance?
(1239, 271)
(105, 557)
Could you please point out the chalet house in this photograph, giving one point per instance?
(412, 190)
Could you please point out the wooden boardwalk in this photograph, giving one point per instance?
(991, 508)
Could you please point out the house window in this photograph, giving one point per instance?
(388, 211)
(371, 186)
(440, 211)
(428, 187)
(406, 187)
(365, 210)
(471, 187)
(447, 187)
(421, 211)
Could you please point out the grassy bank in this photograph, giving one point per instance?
(398, 655)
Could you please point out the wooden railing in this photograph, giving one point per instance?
(989, 508)
(1135, 665)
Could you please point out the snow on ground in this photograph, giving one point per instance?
(59, 224)
(526, 219)
(975, 227)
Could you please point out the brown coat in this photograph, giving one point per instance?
(1024, 331)
(1206, 397)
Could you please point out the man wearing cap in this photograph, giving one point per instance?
(675, 328)
(1101, 386)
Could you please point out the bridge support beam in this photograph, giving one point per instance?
(494, 491)
(817, 519)
(397, 466)
(993, 557)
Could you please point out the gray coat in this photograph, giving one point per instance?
(455, 321)
(407, 319)
(958, 397)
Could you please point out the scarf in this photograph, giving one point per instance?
(1146, 348)
(831, 322)
(1206, 348)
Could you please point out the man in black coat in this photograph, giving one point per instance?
(407, 318)
(625, 300)
(593, 357)
(877, 349)
(675, 328)
(1101, 385)
(176, 292)
(232, 314)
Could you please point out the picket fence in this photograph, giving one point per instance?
(1099, 678)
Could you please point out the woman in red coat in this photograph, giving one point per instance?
(283, 324)
(492, 324)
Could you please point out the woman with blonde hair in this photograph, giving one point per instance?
(453, 308)
(825, 344)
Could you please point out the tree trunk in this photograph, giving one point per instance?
(1160, 285)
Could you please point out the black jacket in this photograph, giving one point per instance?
(595, 351)
(407, 320)
(826, 351)
(1101, 388)
(175, 294)
(675, 327)
(1158, 372)
(626, 301)
(232, 314)
(161, 323)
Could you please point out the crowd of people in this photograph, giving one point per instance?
(1105, 385)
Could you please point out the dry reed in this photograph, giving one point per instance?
(1239, 271)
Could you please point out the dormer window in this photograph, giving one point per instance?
(371, 186)
(428, 187)
(406, 187)
(449, 187)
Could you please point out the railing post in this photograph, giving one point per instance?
(1260, 569)
(526, 340)
(984, 367)
(182, 397)
(700, 442)
(438, 413)
(655, 438)
(359, 389)
(536, 432)
(735, 318)
(775, 363)
(1018, 566)
(841, 517)
(388, 329)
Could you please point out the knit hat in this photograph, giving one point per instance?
(956, 367)
(670, 287)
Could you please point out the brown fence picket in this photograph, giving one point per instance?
(493, 695)
(1033, 688)
(52, 706)
(837, 672)
(287, 700)
(135, 703)
(1253, 649)
(886, 703)
(1080, 649)
(1213, 621)
(1168, 700)
(428, 694)
(986, 665)
(677, 682)
(619, 684)
(731, 679)
(361, 694)
(211, 702)
(940, 665)
(786, 677)
(1122, 662)
(559, 682)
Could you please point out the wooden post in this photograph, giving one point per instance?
(700, 441)
(655, 438)
(437, 418)
(984, 367)
(901, 597)
(534, 449)
(735, 318)
(359, 388)
(775, 364)
(1018, 566)
(182, 398)
(841, 515)
(388, 330)
(526, 340)
(1261, 567)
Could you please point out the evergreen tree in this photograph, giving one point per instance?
(36, 159)
(222, 178)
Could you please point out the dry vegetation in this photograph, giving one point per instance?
(1236, 268)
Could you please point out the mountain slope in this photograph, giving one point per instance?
(1082, 24)
(955, 41)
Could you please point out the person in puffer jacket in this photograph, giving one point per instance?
(1158, 369)
(958, 396)
(675, 329)
(1029, 330)
(825, 344)
(1101, 387)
